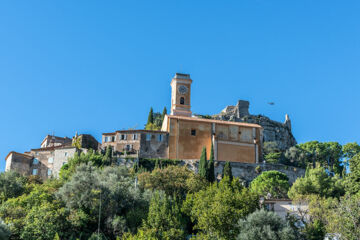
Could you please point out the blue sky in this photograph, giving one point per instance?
(98, 66)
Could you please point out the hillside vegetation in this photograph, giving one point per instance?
(94, 198)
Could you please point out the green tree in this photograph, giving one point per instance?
(345, 219)
(273, 157)
(352, 180)
(203, 168)
(12, 184)
(50, 217)
(327, 154)
(108, 157)
(173, 180)
(350, 150)
(56, 237)
(211, 170)
(227, 171)
(216, 209)
(318, 182)
(120, 200)
(93, 157)
(164, 218)
(296, 156)
(163, 113)
(266, 226)
(151, 116)
(38, 206)
(4, 231)
(315, 230)
(271, 182)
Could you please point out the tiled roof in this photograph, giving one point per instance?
(68, 145)
(13, 152)
(241, 124)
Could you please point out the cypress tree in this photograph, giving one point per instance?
(227, 172)
(163, 114)
(211, 170)
(203, 169)
(157, 163)
(150, 117)
(107, 159)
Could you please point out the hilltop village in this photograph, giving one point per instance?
(185, 176)
(235, 135)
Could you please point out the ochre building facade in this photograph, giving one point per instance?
(232, 141)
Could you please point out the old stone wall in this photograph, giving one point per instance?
(249, 171)
(245, 171)
(155, 147)
(273, 131)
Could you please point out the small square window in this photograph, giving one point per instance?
(34, 171)
(35, 161)
(148, 137)
(193, 132)
(50, 160)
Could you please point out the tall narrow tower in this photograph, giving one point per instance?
(180, 95)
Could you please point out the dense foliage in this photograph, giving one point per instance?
(155, 120)
(271, 183)
(216, 209)
(94, 198)
(265, 225)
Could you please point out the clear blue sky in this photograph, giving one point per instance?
(98, 66)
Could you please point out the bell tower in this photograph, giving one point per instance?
(180, 95)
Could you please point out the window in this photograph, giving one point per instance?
(36, 161)
(128, 147)
(160, 137)
(50, 160)
(65, 154)
(106, 139)
(193, 132)
(34, 171)
(148, 137)
(49, 173)
(113, 139)
(123, 136)
(135, 137)
(182, 101)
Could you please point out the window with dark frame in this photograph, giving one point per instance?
(193, 132)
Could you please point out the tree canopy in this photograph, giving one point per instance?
(274, 183)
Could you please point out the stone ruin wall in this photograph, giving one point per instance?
(273, 131)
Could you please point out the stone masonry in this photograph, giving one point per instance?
(273, 131)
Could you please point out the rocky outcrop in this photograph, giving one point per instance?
(273, 131)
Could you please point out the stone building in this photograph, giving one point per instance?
(47, 160)
(137, 143)
(52, 141)
(232, 141)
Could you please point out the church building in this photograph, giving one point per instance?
(188, 134)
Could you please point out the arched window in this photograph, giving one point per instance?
(182, 101)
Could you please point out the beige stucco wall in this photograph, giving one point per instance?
(236, 153)
(231, 142)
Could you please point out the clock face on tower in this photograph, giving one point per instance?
(183, 89)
